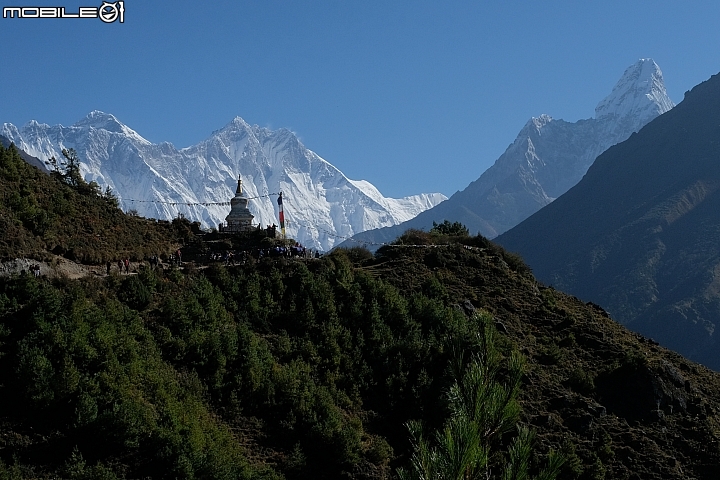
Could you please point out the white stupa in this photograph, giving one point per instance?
(239, 219)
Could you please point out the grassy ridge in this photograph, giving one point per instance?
(41, 213)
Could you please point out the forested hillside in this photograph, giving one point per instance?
(312, 368)
(60, 213)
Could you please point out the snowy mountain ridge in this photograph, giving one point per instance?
(640, 93)
(547, 158)
(158, 180)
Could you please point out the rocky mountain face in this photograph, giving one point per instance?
(547, 158)
(640, 234)
(161, 181)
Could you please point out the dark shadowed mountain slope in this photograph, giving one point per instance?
(547, 158)
(34, 161)
(640, 234)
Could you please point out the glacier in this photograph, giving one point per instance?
(322, 206)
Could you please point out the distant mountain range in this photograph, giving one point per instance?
(161, 181)
(640, 234)
(547, 158)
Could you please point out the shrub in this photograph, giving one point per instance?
(358, 255)
(552, 354)
(516, 263)
(581, 381)
(135, 293)
(452, 229)
(379, 451)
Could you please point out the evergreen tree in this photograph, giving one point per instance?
(72, 168)
(483, 407)
(447, 228)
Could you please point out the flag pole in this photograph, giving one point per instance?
(282, 215)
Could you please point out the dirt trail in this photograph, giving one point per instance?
(58, 266)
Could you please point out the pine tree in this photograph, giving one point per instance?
(483, 407)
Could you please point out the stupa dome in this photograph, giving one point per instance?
(239, 219)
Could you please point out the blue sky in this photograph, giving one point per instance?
(411, 96)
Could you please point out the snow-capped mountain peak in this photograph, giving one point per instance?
(236, 125)
(639, 93)
(106, 121)
(539, 122)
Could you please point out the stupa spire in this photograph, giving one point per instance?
(239, 219)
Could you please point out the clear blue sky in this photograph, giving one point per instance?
(412, 96)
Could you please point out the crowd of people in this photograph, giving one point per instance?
(297, 250)
(232, 257)
(154, 261)
(228, 257)
(35, 270)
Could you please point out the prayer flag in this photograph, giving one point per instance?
(282, 215)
